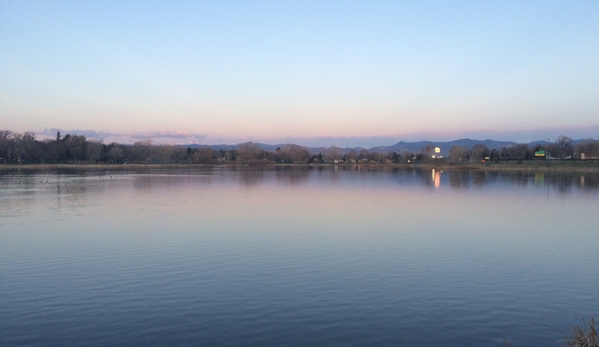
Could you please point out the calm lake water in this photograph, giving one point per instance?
(296, 257)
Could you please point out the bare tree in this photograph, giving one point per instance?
(5, 145)
(250, 151)
(17, 144)
(515, 151)
(115, 152)
(427, 152)
(378, 156)
(15, 141)
(479, 151)
(458, 154)
(75, 146)
(51, 150)
(28, 144)
(333, 153)
(563, 146)
(590, 148)
(143, 150)
(164, 153)
(202, 155)
(296, 154)
(94, 150)
(407, 156)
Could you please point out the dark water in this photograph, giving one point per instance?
(296, 257)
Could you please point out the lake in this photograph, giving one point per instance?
(334, 256)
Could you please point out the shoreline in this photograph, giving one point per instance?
(557, 166)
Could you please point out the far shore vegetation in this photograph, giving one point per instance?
(24, 150)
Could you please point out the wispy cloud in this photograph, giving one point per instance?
(167, 136)
(170, 134)
(51, 132)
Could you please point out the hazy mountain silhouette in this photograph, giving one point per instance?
(399, 147)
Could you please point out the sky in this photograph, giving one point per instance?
(342, 73)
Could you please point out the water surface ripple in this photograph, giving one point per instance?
(296, 257)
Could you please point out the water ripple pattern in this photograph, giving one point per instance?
(296, 257)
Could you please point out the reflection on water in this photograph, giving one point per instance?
(355, 256)
(539, 177)
(436, 174)
(255, 177)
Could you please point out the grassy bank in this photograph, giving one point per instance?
(586, 166)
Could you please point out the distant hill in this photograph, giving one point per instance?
(445, 146)
(398, 147)
(268, 147)
(264, 146)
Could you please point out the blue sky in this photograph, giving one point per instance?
(276, 71)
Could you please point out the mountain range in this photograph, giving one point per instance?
(398, 147)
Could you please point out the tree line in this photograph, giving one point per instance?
(25, 148)
(562, 148)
